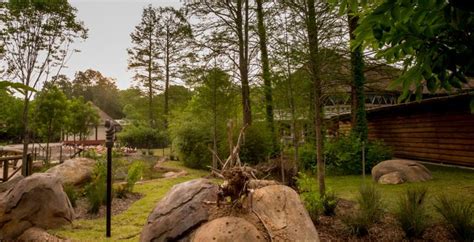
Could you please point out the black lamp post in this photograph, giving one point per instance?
(112, 128)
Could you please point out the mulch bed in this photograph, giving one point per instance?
(333, 229)
(119, 205)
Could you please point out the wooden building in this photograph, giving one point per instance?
(438, 129)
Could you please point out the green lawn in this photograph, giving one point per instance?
(453, 181)
(127, 225)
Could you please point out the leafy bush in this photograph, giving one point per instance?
(314, 203)
(91, 154)
(143, 137)
(344, 155)
(329, 203)
(192, 142)
(411, 212)
(135, 172)
(459, 215)
(309, 195)
(71, 194)
(307, 157)
(96, 190)
(370, 210)
(257, 145)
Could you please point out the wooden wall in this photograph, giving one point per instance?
(441, 130)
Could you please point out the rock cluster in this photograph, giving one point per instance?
(400, 171)
(188, 212)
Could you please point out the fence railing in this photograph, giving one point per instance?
(9, 159)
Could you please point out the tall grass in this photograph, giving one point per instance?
(370, 211)
(411, 212)
(459, 215)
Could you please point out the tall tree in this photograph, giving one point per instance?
(313, 42)
(36, 36)
(266, 74)
(174, 34)
(82, 116)
(359, 118)
(226, 23)
(96, 88)
(144, 56)
(50, 114)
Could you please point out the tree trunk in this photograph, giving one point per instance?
(242, 32)
(214, 133)
(359, 118)
(26, 133)
(266, 75)
(150, 83)
(167, 80)
(312, 29)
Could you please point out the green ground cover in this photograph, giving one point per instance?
(128, 225)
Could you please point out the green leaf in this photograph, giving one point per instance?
(431, 84)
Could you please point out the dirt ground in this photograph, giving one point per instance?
(119, 205)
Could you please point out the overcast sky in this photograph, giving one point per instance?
(110, 23)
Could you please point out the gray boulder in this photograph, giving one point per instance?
(5, 186)
(399, 171)
(181, 210)
(74, 171)
(35, 201)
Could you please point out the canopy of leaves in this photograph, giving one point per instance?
(433, 38)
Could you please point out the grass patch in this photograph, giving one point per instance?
(454, 182)
(127, 225)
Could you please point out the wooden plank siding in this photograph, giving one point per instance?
(438, 130)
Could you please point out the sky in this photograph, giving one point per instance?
(110, 23)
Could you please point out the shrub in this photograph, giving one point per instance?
(411, 212)
(135, 172)
(257, 145)
(192, 142)
(314, 203)
(91, 154)
(344, 155)
(307, 157)
(71, 194)
(370, 210)
(329, 203)
(143, 137)
(459, 215)
(96, 190)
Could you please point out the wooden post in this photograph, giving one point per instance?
(5, 170)
(61, 153)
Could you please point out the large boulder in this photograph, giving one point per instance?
(74, 171)
(228, 229)
(5, 186)
(399, 171)
(181, 210)
(283, 213)
(37, 234)
(35, 201)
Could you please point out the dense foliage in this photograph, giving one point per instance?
(344, 154)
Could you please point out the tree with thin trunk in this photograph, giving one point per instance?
(225, 25)
(36, 37)
(143, 56)
(174, 35)
(266, 74)
(50, 114)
